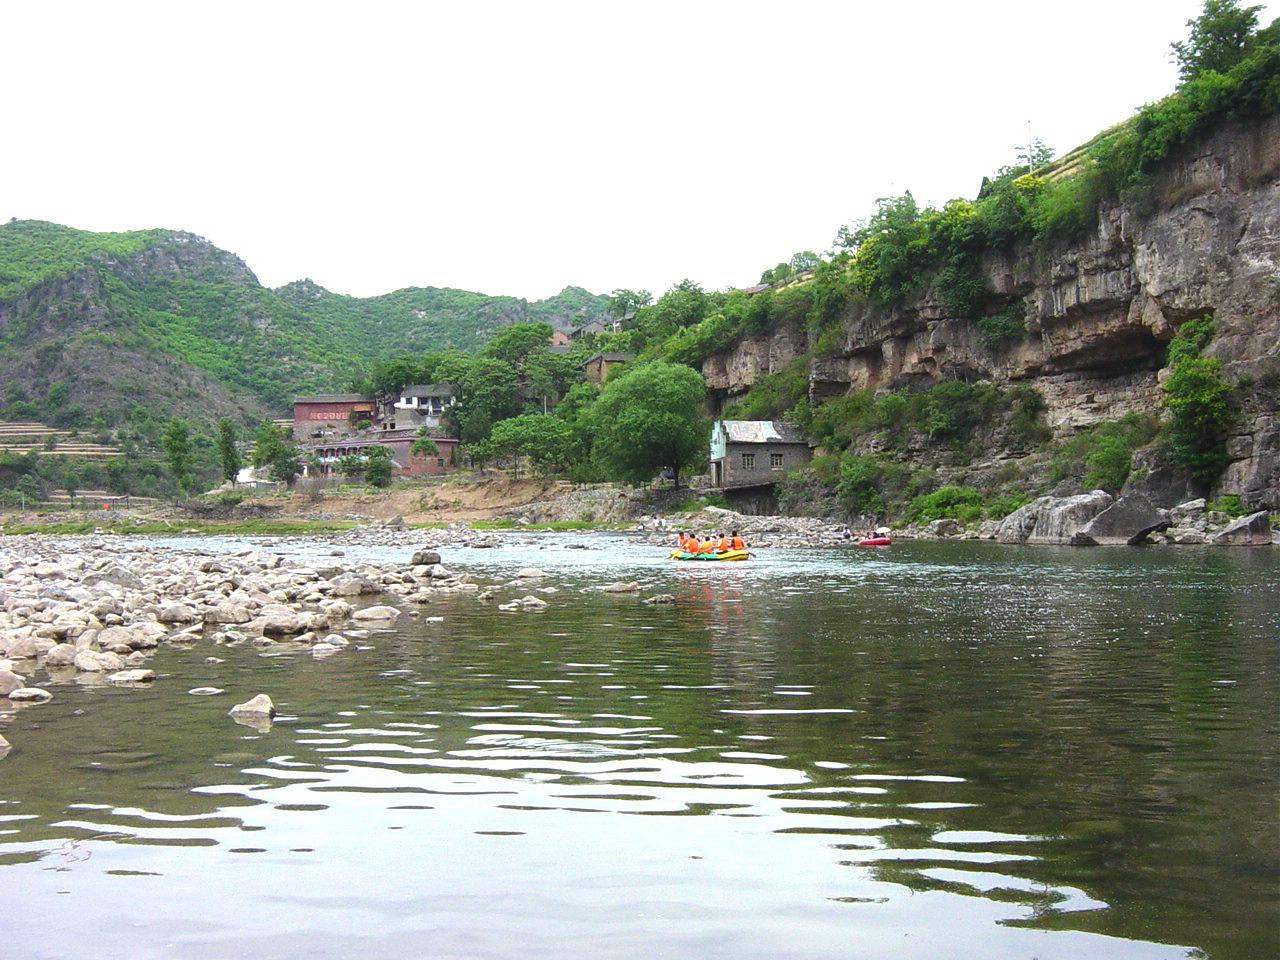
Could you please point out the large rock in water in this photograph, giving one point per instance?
(1129, 520)
(945, 527)
(1053, 519)
(259, 706)
(1159, 479)
(1253, 529)
(9, 682)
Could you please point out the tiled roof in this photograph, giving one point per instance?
(335, 398)
(430, 390)
(761, 431)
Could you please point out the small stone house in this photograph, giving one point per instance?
(598, 368)
(752, 452)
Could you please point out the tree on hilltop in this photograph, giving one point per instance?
(516, 343)
(1220, 38)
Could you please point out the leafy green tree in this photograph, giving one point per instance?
(30, 488)
(892, 252)
(577, 410)
(547, 441)
(505, 442)
(804, 260)
(487, 393)
(286, 466)
(273, 448)
(268, 443)
(1219, 39)
(683, 305)
(177, 447)
(229, 459)
(623, 302)
(393, 376)
(651, 418)
(777, 273)
(378, 467)
(549, 375)
(71, 482)
(516, 343)
(1035, 155)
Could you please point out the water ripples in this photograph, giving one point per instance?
(908, 749)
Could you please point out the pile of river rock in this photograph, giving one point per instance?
(91, 609)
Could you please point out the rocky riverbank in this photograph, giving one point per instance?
(95, 610)
(1088, 519)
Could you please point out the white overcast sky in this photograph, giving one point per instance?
(516, 147)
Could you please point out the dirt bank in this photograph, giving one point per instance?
(470, 499)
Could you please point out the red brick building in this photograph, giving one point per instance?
(309, 412)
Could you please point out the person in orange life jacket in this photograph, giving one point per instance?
(708, 545)
(722, 545)
(736, 542)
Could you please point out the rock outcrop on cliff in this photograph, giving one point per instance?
(1100, 312)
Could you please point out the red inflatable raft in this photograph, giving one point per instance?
(875, 542)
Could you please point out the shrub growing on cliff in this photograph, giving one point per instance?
(1101, 455)
(775, 394)
(859, 485)
(1006, 324)
(1001, 506)
(954, 502)
(1196, 396)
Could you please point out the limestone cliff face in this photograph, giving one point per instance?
(1101, 311)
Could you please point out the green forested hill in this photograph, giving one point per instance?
(165, 320)
(428, 318)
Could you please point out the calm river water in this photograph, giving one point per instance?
(932, 751)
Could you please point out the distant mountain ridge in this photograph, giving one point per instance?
(165, 319)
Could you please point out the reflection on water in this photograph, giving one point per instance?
(935, 751)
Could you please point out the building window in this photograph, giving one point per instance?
(775, 459)
(748, 461)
